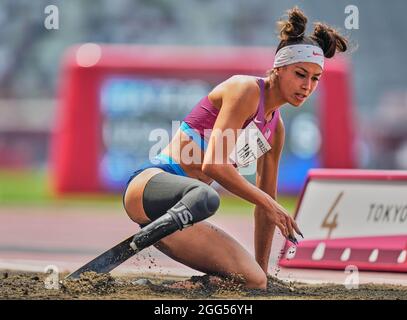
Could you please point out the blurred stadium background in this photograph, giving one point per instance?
(31, 74)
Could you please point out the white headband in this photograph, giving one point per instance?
(299, 53)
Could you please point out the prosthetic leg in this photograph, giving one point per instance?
(196, 205)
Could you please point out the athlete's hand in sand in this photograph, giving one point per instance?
(281, 218)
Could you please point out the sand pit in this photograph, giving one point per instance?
(29, 285)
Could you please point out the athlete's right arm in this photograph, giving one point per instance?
(240, 98)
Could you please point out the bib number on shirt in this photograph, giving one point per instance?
(250, 145)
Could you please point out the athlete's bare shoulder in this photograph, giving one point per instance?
(241, 79)
(235, 86)
(238, 82)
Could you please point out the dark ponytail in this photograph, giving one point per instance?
(292, 31)
(329, 39)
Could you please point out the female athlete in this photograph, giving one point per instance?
(168, 197)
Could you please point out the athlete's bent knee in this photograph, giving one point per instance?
(197, 204)
(258, 281)
(202, 201)
(213, 200)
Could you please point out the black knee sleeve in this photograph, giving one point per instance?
(195, 201)
(196, 205)
(190, 200)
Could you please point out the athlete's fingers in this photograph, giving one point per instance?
(290, 235)
(296, 228)
(292, 223)
(289, 226)
(282, 228)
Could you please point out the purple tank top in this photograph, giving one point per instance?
(204, 114)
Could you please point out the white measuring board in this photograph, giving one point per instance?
(352, 217)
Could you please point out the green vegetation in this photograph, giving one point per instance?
(235, 205)
(23, 187)
(27, 188)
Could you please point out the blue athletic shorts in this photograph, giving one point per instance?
(165, 163)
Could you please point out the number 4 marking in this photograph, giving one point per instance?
(334, 223)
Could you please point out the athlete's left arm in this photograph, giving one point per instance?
(266, 180)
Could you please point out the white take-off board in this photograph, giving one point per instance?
(356, 217)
